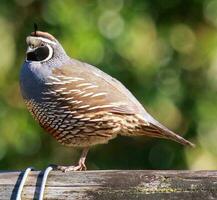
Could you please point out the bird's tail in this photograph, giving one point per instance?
(151, 127)
(163, 132)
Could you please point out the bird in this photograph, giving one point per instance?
(77, 103)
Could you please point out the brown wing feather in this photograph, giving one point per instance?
(82, 90)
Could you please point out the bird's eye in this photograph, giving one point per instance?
(32, 46)
(42, 45)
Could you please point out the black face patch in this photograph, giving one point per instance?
(39, 54)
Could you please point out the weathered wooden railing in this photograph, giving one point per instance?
(110, 185)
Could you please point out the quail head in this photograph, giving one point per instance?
(78, 104)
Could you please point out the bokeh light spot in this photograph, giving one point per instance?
(166, 112)
(7, 48)
(210, 11)
(182, 38)
(111, 24)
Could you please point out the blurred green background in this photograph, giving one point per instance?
(165, 52)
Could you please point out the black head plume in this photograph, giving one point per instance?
(35, 28)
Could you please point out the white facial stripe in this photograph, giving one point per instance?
(46, 40)
(50, 53)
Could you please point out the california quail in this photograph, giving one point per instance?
(77, 103)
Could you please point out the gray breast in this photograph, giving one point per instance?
(32, 80)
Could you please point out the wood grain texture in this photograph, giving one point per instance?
(107, 185)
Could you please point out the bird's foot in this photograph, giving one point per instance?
(71, 168)
(81, 164)
(80, 167)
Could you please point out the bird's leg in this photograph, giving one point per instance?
(81, 163)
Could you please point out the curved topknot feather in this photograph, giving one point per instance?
(44, 35)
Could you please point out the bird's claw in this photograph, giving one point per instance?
(71, 168)
(80, 167)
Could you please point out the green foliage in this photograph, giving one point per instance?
(165, 52)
